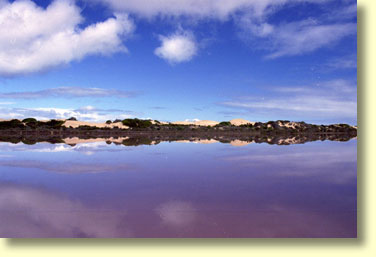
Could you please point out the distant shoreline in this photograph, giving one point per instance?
(31, 127)
(270, 132)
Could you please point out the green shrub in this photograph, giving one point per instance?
(137, 123)
(86, 127)
(223, 123)
(29, 141)
(54, 123)
(33, 124)
(11, 124)
(27, 120)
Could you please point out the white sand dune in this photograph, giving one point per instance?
(238, 122)
(206, 123)
(76, 124)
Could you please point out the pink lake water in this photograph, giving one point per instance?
(178, 190)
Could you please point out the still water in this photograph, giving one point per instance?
(178, 189)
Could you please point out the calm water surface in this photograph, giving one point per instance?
(178, 190)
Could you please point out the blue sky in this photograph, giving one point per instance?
(176, 60)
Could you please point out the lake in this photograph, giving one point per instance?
(178, 189)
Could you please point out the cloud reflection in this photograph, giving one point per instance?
(32, 212)
(336, 165)
(84, 148)
(66, 167)
(177, 214)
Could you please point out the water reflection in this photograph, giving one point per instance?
(135, 139)
(34, 212)
(185, 188)
(177, 214)
(66, 167)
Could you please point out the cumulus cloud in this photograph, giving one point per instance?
(178, 47)
(34, 39)
(282, 38)
(68, 92)
(30, 44)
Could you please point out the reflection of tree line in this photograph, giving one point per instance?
(227, 139)
(138, 138)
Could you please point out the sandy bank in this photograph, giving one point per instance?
(238, 122)
(76, 124)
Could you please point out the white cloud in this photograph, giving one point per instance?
(329, 99)
(306, 36)
(314, 105)
(192, 120)
(295, 38)
(176, 48)
(68, 92)
(219, 9)
(33, 39)
(284, 38)
(87, 113)
(335, 87)
(345, 62)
